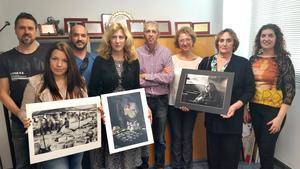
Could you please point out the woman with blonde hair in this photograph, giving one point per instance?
(116, 69)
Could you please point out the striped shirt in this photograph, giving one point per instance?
(156, 82)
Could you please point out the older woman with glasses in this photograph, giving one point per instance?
(224, 132)
(182, 120)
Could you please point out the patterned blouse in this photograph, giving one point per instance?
(274, 79)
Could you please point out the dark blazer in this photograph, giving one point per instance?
(104, 76)
(243, 89)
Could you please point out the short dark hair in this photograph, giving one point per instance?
(24, 15)
(236, 41)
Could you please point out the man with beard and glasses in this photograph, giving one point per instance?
(79, 39)
(16, 66)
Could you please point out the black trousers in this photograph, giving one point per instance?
(181, 127)
(223, 150)
(266, 142)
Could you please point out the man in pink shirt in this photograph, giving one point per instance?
(156, 73)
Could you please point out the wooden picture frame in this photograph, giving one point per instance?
(178, 25)
(47, 30)
(69, 22)
(136, 27)
(201, 28)
(205, 91)
(105, 20)
(94, 27)
(164, 27)
(126, 120)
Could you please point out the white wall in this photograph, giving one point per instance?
(287, 150)
(173, 10)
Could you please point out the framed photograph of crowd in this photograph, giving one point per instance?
(62, 128)
(205, 91)
(126, 118)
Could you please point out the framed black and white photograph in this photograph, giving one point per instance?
(205, 91)
(62, 128)
(126, 118)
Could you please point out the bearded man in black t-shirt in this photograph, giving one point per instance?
(16, 66)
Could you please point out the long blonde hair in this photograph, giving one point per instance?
(105, 48)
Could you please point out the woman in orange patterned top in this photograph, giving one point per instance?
(275, 90)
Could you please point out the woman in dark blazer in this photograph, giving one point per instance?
(224, 132)
(116, 69)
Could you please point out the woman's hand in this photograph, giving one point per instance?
(232, 109)
(183, 108)
(275, 125)
(150, 115)
(26, 121)
(102, 116)
(246, 116)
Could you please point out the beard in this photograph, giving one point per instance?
(27, 39)
(80, 48)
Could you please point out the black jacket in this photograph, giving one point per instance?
(104, 76)
(243, 89)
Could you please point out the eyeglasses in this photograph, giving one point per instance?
(84, 65)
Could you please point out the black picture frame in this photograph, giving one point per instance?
(126, 120)
(205, 91)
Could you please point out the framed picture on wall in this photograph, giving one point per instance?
(105, 20)
(47, 29)
(126, 118)
(179, 25)
(61, 128)
(164, 27)
(69, 22)
(136, 27)
(201, 27)
(205, 91)
(94, 27)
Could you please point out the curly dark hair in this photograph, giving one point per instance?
(279, 48)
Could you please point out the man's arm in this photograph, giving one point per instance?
(5, 97)
(165, 76)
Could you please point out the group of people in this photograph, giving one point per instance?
(263, 90)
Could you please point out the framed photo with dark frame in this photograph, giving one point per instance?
(105, 20)
(201, 27)
(136, 27)
(205, 91)
(164, 27)
(69, 22)
(179, 25)
(126, 118)
(47, 29)
(62, 128)
(94, 27)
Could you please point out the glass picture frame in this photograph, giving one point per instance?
(205, 91)
(127, 120)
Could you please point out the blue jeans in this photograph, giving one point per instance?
(20, 142)
(69, 162)
(159, 108)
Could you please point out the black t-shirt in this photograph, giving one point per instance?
(18, 67)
